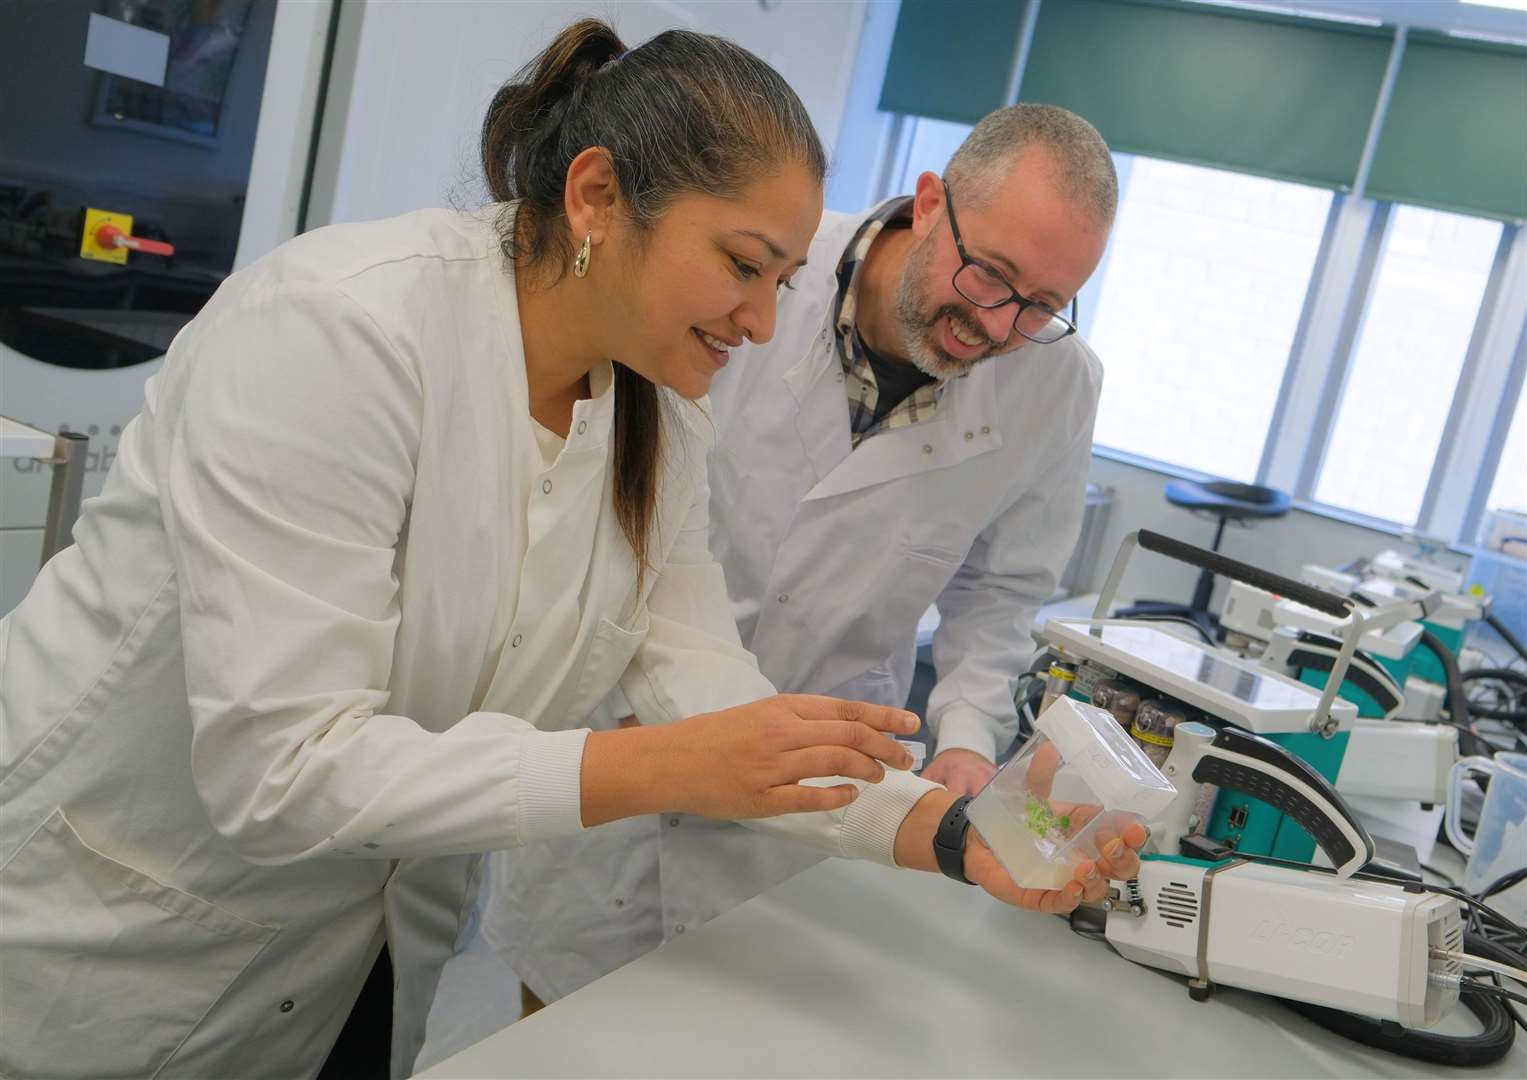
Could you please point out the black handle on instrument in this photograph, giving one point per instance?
(1215, 563)
(1241, 761)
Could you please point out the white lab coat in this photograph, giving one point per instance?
(831, 556)
(332, 625)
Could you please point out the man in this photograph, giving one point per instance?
(918, 430)
(955, 470)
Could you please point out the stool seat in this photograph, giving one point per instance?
(1227, 501)
(1225, 498)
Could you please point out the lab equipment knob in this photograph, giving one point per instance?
(109, 236)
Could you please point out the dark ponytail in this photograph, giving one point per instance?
(684, 112)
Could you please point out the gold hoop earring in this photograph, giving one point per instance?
(581, 262)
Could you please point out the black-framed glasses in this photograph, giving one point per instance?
(985, 287)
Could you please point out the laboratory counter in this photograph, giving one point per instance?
(857, 970)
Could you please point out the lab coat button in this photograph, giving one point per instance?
(515, 644)
(546, 487)
(674, 822)
(583, 425)
(288, 1005)
(927, 448)
(678, 928)
(784, 597)
(969, 435)
(620, 902)
(985, 430)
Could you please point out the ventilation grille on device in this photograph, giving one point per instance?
(1452, 940)
(1176, 904)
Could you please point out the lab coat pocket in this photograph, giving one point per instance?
(106, 970)
(610, 650)
(922, 575)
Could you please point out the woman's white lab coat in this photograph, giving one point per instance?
(333, 624)
(831, 555)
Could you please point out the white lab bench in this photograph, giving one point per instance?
(857, 970)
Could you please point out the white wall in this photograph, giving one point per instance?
(407, 108)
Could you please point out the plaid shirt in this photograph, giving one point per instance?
(858, 375)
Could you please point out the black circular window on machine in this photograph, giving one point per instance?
(122, 177)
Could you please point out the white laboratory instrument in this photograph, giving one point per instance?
(1360, 946)
(1404, 754)
(1233, 899)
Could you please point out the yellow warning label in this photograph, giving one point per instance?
(91, 248)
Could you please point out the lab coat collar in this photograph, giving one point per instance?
(594, 416)
(967, 407)
(965, 426)
(826, 443)
(596, 413)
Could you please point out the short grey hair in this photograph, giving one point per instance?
(1080, 165)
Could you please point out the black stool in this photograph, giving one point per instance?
(1227, 501)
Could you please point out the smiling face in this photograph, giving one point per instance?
(708, 275)
(1042, 244)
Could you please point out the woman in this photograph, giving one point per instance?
(388, 529)
(390, 526)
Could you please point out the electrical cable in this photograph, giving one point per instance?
(1446, 878)
(1506, 635)
(1457, 700)
(1509, 704)
(1486, 1048)
(1477, 943)
(1491, 988)
(1504, 882)
(1480, 963)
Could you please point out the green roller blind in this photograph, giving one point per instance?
(952, 59)
(1455, 134)
(1279, 97)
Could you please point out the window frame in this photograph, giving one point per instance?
(1330, 324)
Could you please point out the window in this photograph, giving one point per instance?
(1509, 492)
(1201, 293)
(1415, 334)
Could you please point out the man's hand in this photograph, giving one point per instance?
(963, 772)
(1119, 861)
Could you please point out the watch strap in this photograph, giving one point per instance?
(949, 840)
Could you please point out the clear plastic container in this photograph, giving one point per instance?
(1075, 785)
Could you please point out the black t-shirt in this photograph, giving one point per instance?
(894, 379)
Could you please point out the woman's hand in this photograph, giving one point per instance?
(744, 762)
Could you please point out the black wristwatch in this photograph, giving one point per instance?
(949, 841)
